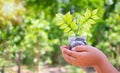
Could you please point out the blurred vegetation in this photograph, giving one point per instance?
(29, 26)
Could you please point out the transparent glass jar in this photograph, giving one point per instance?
(76, 40)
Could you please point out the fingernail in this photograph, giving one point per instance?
(63, 49)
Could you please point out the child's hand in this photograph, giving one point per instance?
(83, 55)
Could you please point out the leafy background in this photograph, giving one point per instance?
(30, 26)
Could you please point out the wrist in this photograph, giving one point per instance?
(105, 67)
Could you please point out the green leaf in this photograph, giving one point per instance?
(91, 21)
(82, 19)
(68, 18)
(67, 29)
(94, 12)
(59, 15)
(71, 33)
(59, 19)
(87, 13)
(60, 22)
(73, 26)
(63, 26)
(95, 17)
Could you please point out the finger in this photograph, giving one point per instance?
(81, 48)
(64, 47)
(70, 53)
(71, 60)
(68, 58)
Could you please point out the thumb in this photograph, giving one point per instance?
(80, 48)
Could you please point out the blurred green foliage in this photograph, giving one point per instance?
(29, 26)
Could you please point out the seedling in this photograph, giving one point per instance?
(74, 23)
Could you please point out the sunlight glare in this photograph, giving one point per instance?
(8, 8)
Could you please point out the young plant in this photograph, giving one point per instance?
(74, 23)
